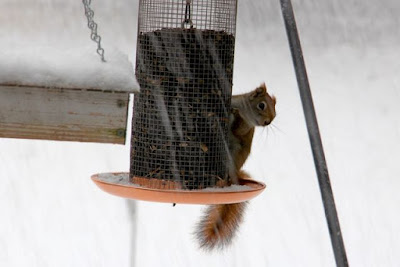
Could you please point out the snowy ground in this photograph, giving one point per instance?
(53, 215)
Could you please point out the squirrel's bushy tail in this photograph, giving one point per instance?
(219, 225)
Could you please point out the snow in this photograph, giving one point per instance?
(231, 188)
(72, 67)
(123, 179)
(116, 178)
(53, 215)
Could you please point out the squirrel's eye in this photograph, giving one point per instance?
(261, 105)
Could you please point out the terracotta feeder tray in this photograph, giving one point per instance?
(118, 184)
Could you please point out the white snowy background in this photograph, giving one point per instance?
(51, 214)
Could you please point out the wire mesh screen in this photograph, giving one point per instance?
(184, 67)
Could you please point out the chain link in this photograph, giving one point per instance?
(89, 13)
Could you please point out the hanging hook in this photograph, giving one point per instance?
(188, 19)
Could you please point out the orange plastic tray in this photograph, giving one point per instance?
(118, 184)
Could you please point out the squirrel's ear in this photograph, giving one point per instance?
(273, 99)
(263, 87)
(261, 90)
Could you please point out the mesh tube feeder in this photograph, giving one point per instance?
(184, 65)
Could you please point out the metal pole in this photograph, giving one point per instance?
(132, 209)
(314, 135)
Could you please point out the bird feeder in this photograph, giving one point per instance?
(184, 65)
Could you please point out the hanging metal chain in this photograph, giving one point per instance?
(188, 17)
(89, 13)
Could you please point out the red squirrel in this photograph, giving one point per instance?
(219, 224)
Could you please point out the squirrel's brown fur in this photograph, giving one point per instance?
(219, 224)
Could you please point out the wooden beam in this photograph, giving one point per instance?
(83, 115)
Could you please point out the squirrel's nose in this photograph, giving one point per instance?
(267, 122)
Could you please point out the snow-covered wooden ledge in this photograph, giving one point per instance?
(67, 95)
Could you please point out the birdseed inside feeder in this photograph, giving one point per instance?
(184, 66)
